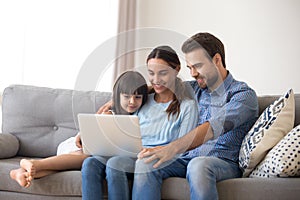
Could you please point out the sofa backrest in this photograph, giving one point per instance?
(43, 117)
(266, 100)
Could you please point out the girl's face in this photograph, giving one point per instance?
(131, 103)
(161, 75)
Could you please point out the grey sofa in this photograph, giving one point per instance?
(36, 119)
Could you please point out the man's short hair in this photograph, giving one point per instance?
(205, 41)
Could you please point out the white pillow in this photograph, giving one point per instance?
(283, 160)
(273, 124)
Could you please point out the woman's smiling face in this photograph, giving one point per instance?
(161, 75)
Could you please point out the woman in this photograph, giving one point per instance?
(168, 114)
(129, 94)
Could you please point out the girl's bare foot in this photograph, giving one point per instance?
(28, 165)
(21, 176)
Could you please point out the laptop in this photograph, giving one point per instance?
(110, 135)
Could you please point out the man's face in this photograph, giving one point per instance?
(202, 68)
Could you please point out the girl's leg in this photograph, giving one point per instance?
(46, 166)
(21, 176)
(24, 179)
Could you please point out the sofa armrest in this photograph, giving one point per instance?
(9, 145)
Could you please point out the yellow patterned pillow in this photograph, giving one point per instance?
(273, 124)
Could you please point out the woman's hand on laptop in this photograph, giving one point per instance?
(105, 108)
(160, 153)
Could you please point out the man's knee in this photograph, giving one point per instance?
(198, 165)
(197, 162)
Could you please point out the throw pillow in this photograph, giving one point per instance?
(9, 145)
(272, 125)
(283, 160)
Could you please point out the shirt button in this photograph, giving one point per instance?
(55, 128)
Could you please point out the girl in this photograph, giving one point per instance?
(168, 114)
(129, 94)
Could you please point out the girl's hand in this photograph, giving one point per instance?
(78, 140)
(105, 108)
(107, 113)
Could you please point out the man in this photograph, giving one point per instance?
(227, 110)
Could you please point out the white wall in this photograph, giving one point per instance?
(261, 37)
(45, 43)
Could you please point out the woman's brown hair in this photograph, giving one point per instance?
(167, 54)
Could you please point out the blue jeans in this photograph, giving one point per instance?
(118, 171)
(147, 180)
(203, 173)
(93, 174)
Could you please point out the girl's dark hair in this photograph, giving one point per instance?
(167, 54)
(132, 83)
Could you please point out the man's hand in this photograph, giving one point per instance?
(78, 140)
(162, 153)
(105, 108)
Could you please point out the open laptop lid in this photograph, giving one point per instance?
(110, 135)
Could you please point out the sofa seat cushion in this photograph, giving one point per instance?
(66, 183)
(259, 188)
